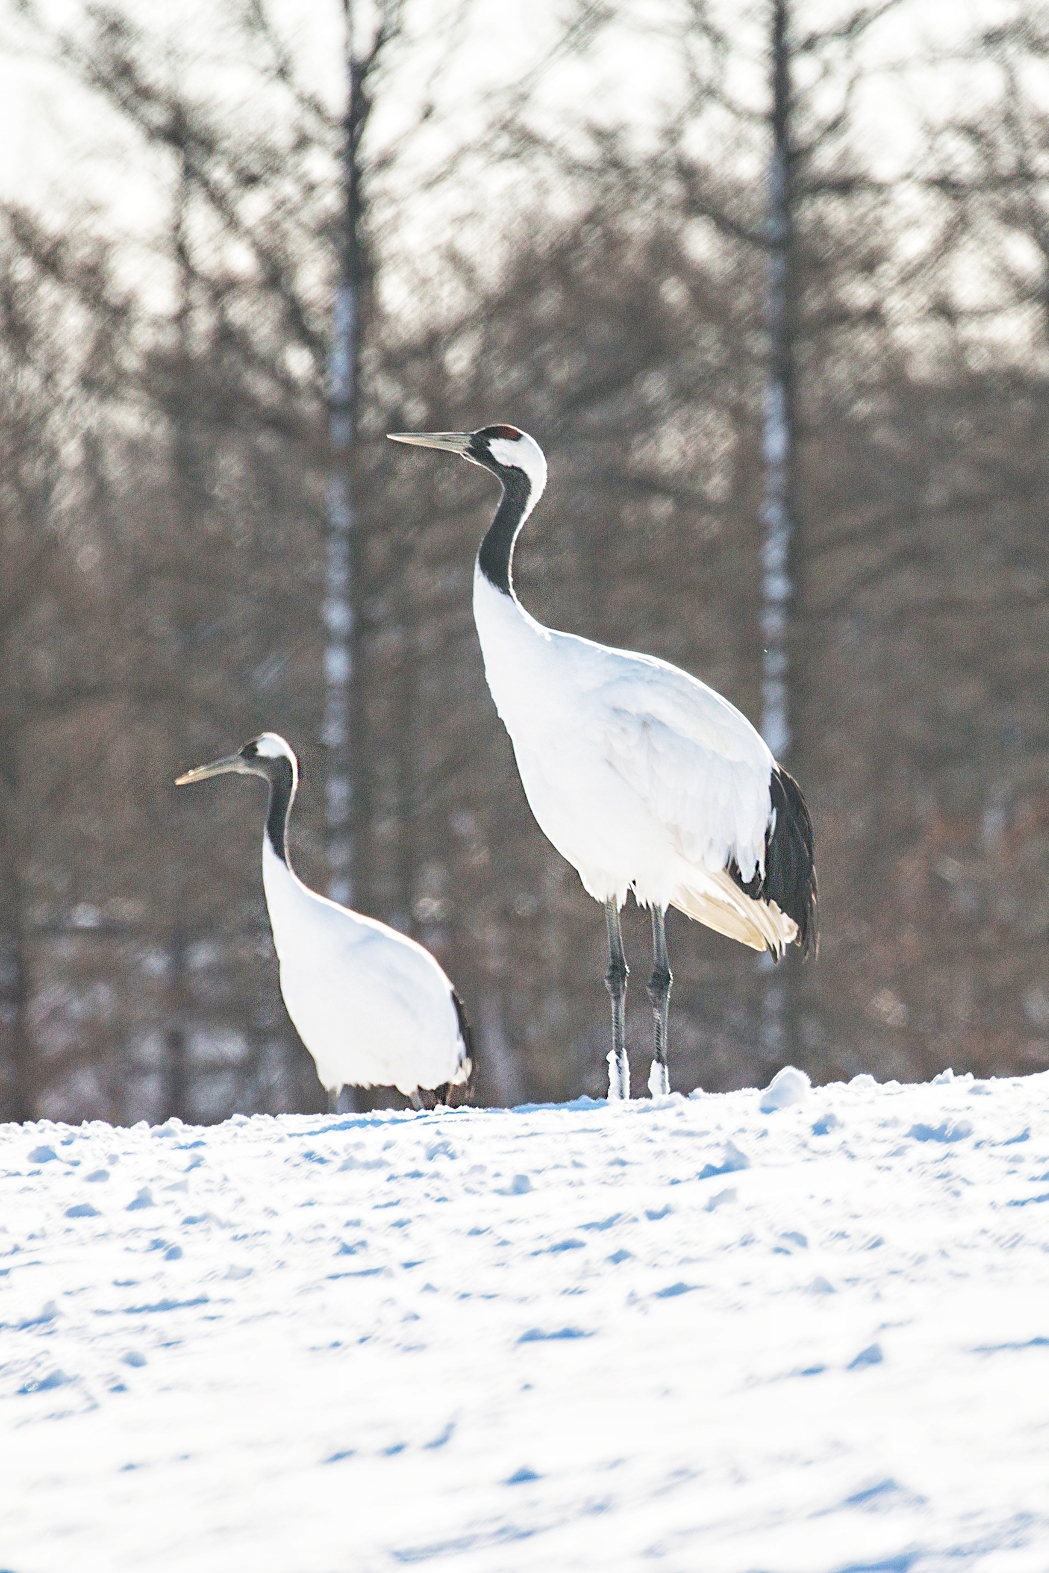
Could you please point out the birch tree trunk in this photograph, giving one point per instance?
(342, 812)
(777, 457)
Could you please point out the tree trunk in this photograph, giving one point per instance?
(777, 511)
(342, 804)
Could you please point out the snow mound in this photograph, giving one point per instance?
(550, 1337)
(787, 1086)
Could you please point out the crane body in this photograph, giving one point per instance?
(372, 1006)
(641, 776)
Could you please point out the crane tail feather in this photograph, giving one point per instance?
(788, 880)
(718, 902)
(462, 1089)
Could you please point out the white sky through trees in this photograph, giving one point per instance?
(62, 151)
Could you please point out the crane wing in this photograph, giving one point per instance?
(698, 765)
(419, 1023)
(403, 976)
(703, 773)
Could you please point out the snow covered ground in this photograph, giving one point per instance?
(708, 1334)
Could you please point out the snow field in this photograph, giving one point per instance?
(798, 1331)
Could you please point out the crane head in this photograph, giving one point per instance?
(261, 757)
(501, 449)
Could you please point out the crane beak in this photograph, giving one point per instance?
(233, 764)
(447, 441)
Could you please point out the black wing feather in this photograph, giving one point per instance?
(464, 1092)
(790, 875)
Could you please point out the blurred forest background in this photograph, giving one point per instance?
(599, 276)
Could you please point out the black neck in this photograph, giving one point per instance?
(496, 556)
(282, 790)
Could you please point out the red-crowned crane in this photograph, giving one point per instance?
(373, 1007)
(642, 777)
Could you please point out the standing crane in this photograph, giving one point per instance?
(371, 1005)
(644, 779)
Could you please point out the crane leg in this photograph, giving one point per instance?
(659, 993)
(615, 983)
(333, 1099)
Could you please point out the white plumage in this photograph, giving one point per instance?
(371, 1005)
(641, 776)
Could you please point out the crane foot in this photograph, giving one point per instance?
(658, 1080)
